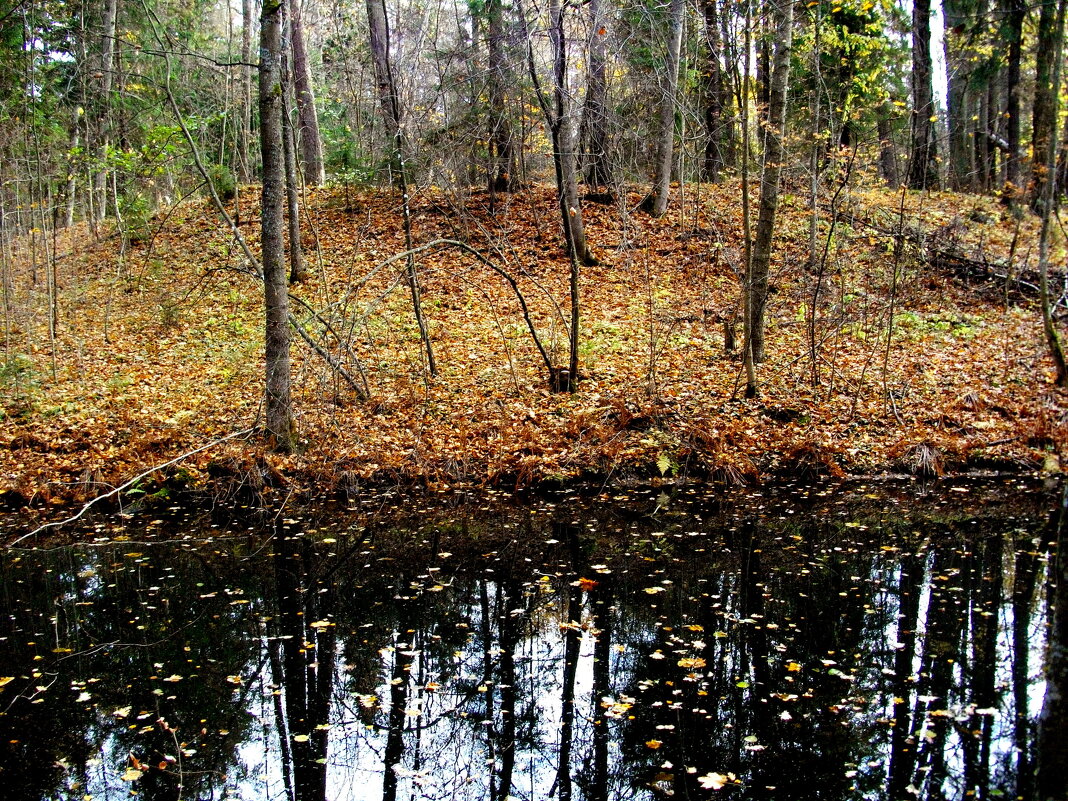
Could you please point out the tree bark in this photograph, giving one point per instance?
(105, 74)
(598, 169)
(502, 176)
(665, 151)
(311, 144)
(378, 24)
(1052, 746)
(774, 130)
(1016, 11)
(719, 121)
(297, 272)
(1042, 127)
(923, 165)
(244, 129)
(887, 152)
(958, 74)
(279, 413)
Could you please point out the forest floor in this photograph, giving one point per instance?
(911, 356)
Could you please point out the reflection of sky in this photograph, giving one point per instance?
(448, 747)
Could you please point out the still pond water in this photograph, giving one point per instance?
(877, 642)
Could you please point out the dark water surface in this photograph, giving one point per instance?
(818, 643)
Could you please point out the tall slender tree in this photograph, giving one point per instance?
(1042, 127)
(718, 115)
(311, 143)
(923, 162)
(774, 130)
(669, 89)
(281, 430)
(1015, 13)
(502, 176)
(597, 166)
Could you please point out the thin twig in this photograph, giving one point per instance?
(129, 484)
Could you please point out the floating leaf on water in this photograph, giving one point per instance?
(713, 781)
(132, 775)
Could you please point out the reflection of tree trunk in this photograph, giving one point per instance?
(274, 647)
(602, 674)
(508, 633)
(307, 669)
(902, 751)
(1025, 577)
(398, 700)
(1052, 747)
(572, 641)
(941, 652)
(487, 619)
(986, 578)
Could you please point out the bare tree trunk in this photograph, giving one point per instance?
(378, 24)
(598, 168)
(1052, 750)
(502, 176)
(887, 152)
(71, 190)
(280, 425)
(774, 131)
(1042, 127)
(958, 74)
(297, 272)
(923, 164)
(665, 151)
(244, 129)
(1049, 323)
(311, 144)
(1017, 10)
(719, 122)
(105, 74)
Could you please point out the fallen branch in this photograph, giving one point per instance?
(128, 484)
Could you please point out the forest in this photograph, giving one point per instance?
(333, 244)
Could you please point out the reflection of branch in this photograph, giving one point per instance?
(129, 484)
